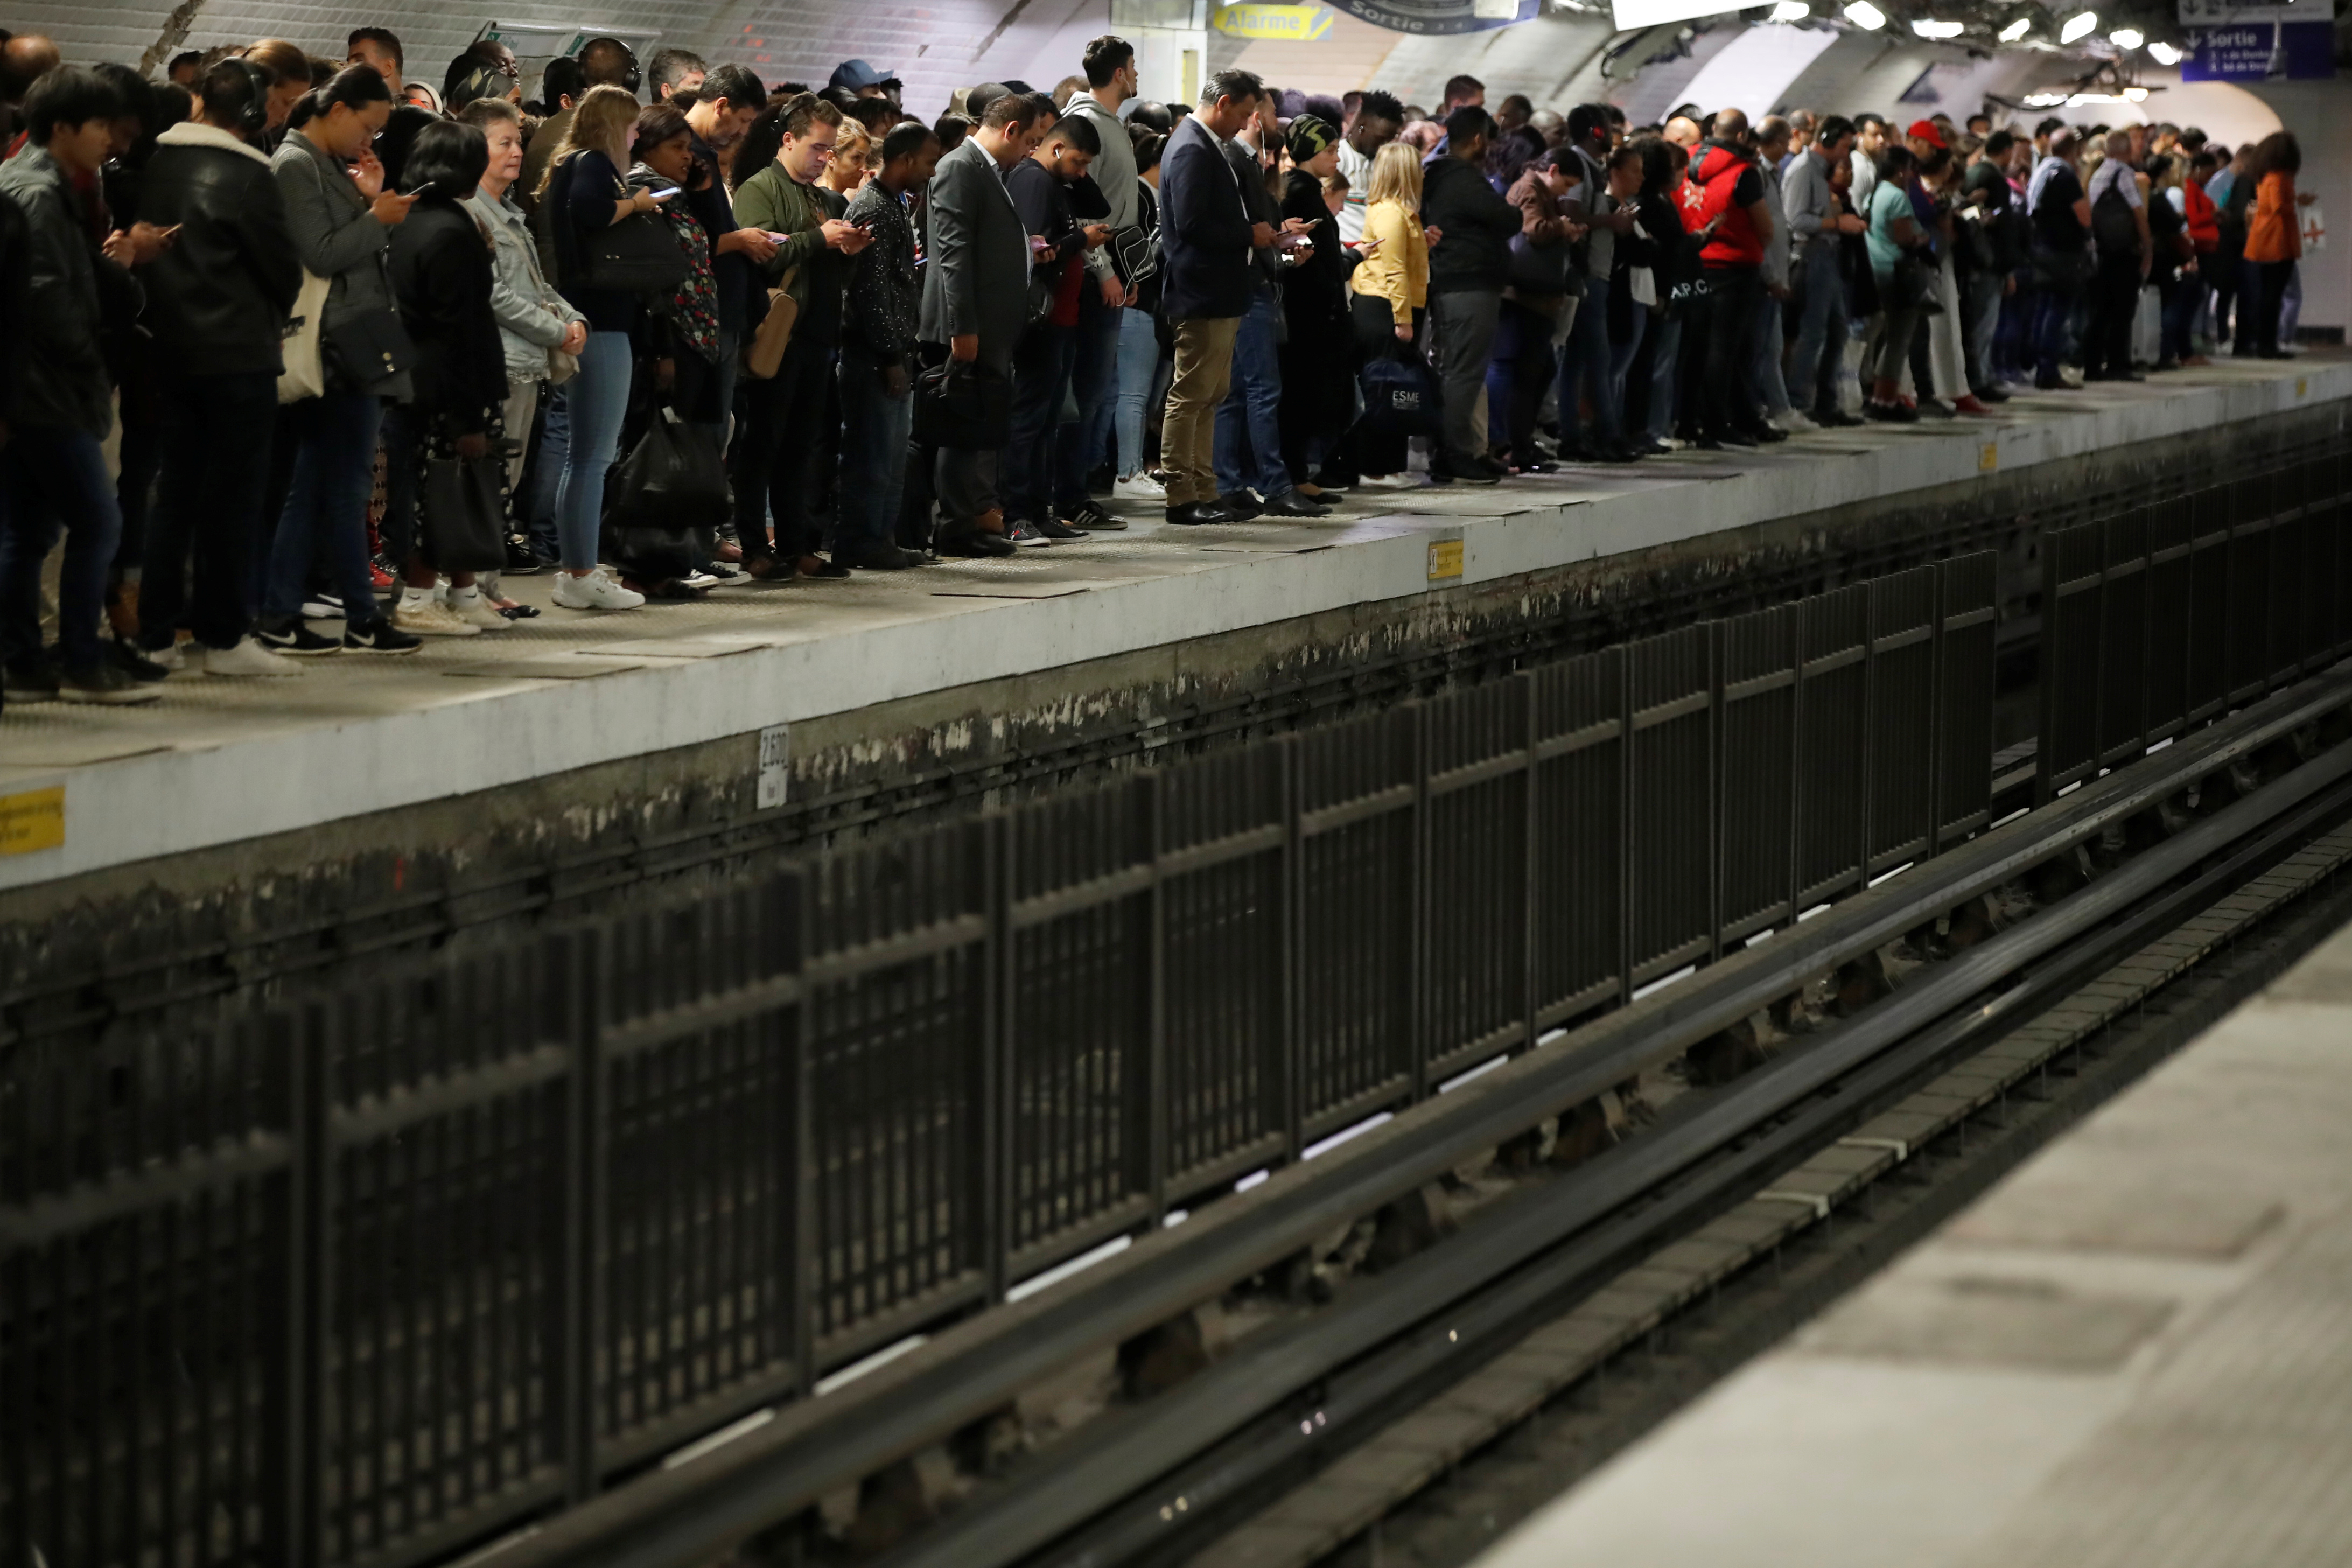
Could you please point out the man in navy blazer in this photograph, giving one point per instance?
(1208, 244)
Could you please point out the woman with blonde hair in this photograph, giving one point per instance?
(1391, 284)
(582, 193)
(847, 174)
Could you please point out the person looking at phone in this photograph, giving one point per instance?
(217, 302)
(584, 195)
(1248, 449)
(1039, 490)
(785, 426)
(878, 351)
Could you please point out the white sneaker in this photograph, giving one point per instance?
(594, 592)
(247, 658)
(1140, 486)
(469, 606)
(419, 616)
(1795, 420)
(175, 660)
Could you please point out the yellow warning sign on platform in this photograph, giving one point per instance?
(1445, 559)
(33, 820)
(1989, 457)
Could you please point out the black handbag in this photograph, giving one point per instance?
(1538, 269)
(675, 478)
(365, 347)
(1399, 395)
(1906, 287)
(464, 513)
(639, 255)
(964, 406)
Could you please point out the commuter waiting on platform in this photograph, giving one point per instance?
(251, 301)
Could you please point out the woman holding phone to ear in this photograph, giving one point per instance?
(582, 193)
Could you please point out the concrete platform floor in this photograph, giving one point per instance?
(2134, 1353)
(216, 761)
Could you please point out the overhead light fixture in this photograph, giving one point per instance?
(1937, 30)
(2126, 37)
(2081, 24)
(1791, 11)
(2135, 95)
(2044, 100)
(2163, 54)
(2016, 30)
(1865, 14)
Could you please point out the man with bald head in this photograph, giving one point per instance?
(1731, 205)
(24, 59)
(2061, 215)
(1684, 131)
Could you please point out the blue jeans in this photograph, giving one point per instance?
(1249, 421)
(1819, 359)
(1621, 356)
(1584, 368)
(1094, 382)
(1666, 365)
(1041, 379)
(2054, 330)
(326, 506)
(57, 477)
(2181, 314)
(874, 430)
(597, 399)
(215, 472)
(547, 479)
(1771, 340)
(1139, 362)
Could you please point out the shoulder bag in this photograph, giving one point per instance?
(675, 478)
(639, 255)
(1400, 394)
(302, 372)
(773, 335)
(464, 513)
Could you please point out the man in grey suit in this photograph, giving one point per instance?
(976, 299)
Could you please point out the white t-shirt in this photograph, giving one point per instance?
(1358, 170)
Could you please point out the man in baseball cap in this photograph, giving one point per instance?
(1924, 137)
(865, 80)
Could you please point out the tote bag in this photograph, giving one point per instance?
(305, 373)
(464, 513)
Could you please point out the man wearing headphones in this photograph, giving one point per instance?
(217, 299)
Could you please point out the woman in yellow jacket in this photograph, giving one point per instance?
(1391, 284)
(2274, 242)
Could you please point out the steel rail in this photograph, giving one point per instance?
(1259, 1376)
(680, 1517)
(1447, 1345)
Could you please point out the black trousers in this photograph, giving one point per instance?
(2114, 304)
(1728, 391)
(772, 464)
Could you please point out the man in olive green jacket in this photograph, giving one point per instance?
(784, 415)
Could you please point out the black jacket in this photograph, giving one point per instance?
(1314, 292)
(1475, 224)
(1207, 269)
(218, 297)
(441, 280)
(64, 383)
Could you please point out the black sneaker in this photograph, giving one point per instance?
(1094, 519)
(133, 661)
(521, 561)
(294, 638)
(34, 680)
(379, 636)
(1054, 528)
(1240, 506)
(106, 683)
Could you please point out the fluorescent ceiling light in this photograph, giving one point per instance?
(1862, 14)
(2044, 100)
(2163, 54)
(2126, 37)
(2136, 95)
(2080, 24)
(1791, 11)
(2016, 29)
(1937, 30)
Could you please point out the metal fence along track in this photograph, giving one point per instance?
(372, 1273)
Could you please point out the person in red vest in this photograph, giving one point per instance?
(1729, 186)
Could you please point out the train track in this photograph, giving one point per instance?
(1304, 1435)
